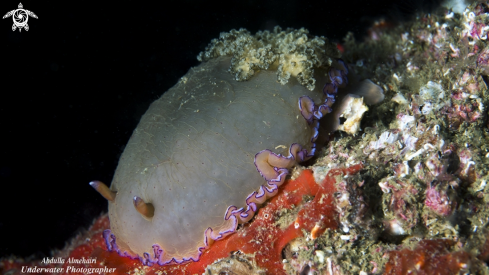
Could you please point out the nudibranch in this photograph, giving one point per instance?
(215, 146)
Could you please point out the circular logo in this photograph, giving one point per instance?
(20, 17)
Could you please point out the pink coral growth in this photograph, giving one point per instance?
(483, 61)
(459, 113)
(401, 205)
(468, 82)
(474, 28)
(438, 201)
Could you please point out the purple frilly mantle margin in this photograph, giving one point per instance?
(273, 167)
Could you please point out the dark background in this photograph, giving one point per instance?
(75, 85)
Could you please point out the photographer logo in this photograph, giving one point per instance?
(20, 17)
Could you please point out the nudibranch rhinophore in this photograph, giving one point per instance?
(220, 142)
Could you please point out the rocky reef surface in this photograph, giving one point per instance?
(420, 204)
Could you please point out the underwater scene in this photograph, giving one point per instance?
(274, 138)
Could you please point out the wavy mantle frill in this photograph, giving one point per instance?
(273, 167)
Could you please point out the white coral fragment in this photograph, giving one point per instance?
(432, 95)
(405, 121)
(399, 99)
(353, 113)
(431, 91)
(385, 138)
